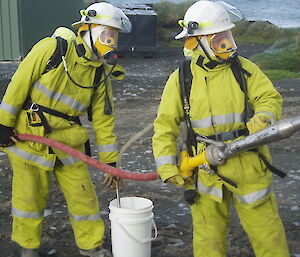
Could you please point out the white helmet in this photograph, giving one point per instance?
(206, 17)
(104, 14)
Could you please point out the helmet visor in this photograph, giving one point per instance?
(109, 37)
(223, 42)
(125, 22)
(234, 13)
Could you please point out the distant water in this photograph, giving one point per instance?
(279, 12)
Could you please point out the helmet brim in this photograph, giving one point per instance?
(181, 35)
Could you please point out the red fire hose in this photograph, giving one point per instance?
(90, 161)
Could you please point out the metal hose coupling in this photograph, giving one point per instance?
(214, 155)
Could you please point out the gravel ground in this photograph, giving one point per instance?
(136, 101)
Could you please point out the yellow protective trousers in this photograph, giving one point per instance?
(29, 197)
(262, 224)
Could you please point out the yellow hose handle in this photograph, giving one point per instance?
(188, 164)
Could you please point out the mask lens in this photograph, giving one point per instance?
(223, 42)
(109, 37)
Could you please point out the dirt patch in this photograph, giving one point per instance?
(136, 101)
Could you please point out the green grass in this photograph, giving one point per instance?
(261, 32)
(282, 59)
(278, 75)
(283, 55)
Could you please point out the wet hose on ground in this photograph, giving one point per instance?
(125, 147)
(131, 141)
(92, 162)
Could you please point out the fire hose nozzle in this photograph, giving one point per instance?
(278, 131)
(188, 164)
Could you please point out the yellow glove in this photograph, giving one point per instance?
(177, 180)
(258, 122)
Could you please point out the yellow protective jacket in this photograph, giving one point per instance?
(217, 105)
(55, 91)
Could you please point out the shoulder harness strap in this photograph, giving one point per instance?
(185, 80)
(55, 59)
(239, 74)
(98, 75)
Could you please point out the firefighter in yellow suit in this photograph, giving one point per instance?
(217, 111)
(47, 101)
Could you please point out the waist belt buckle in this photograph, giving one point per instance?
(34, 107)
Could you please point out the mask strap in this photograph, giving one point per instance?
(203, 48)
(212, 63)
(94, 49)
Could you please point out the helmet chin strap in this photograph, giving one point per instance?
(203, 43)
(86, 38)
(94, 49)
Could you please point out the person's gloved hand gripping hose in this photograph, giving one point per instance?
(111, 181)
(7, 136)
(177, 180)
(258, 122)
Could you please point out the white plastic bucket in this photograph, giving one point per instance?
(131, 227)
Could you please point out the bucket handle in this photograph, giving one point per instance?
(143, 241)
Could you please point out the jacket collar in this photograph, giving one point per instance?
(202, 61)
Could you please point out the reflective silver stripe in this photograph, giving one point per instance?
(69, 160)
(218, 120)
(253, 197)
(9, 108)
(108, 148)
(166, 159)
(26, 214)
(31, 157)
(210, 190)
(60, 97)
(92, 217)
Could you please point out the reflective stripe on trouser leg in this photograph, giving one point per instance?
(210, 222)
(29, 195)
(264, 228)
(83, 207)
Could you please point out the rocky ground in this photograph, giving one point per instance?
(137, 99)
